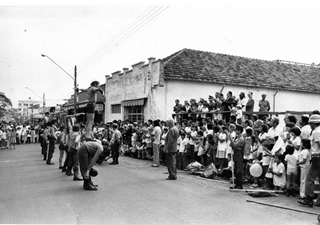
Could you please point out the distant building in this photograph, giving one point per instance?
(29, 107)
(148, 91)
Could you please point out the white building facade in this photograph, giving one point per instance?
(29, 107)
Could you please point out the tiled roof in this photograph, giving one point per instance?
(194, 65)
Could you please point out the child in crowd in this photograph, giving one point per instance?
(247, 151)
(13, 139)
(192, 140)
(222, 147)
(63, 145)
(3, 139)
(295, 139)
(182, 142)
(239, 115)
(227, 171)
(29, 136)
(279, 173)
(149, 142)
(133, 143)
(9, 134)
(200, 150)
(304, 163)
(232, 127)
(291, 161)
(162, 155)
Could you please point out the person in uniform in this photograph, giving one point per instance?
(88, 153)
(92, 94)
(238, 146)
(52, 140)
(74, 138)
(115, 144)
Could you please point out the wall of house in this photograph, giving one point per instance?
(284, 100)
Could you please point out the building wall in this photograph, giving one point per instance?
(147, 81)
(284, 100)
(132, 84)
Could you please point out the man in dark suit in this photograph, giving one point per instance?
(170, 148)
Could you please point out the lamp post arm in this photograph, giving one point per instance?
(58, 66)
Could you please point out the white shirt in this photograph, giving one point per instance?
(279, 181)
(183, 144)
(242, 103)
(304, 154)
(273, 132)
(239, 114)
(194, 135)
(305, 132)
(315, 137)
(291, 161)
(157, 135)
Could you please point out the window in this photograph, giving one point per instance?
(20, 104)
(116, 108)
(135, 113)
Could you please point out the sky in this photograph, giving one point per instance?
(102, 38)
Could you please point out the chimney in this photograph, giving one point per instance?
(125, 70)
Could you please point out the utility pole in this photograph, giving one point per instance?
(75, 90)
(44, 105)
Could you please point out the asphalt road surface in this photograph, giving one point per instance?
(132, 192)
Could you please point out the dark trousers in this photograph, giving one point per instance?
(312, 174)
(52, 142)
(115, 151)
(238, 168)
(84, 159)
(44, 148)
(172, 164)
(73, 161)
(180, 161)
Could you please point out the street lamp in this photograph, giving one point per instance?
(73, 78)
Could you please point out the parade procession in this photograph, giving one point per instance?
(222, 127)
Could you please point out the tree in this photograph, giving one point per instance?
(4, 103)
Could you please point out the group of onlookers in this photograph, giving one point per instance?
(17, 133)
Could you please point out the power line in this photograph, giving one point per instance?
(126, 36)
(115, 37)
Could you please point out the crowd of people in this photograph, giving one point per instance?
(289, 156)
(12, 134)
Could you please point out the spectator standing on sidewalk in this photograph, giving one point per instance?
(264, 106)
(314, 170)
(156, 142)
(170, 149)
(250, 105)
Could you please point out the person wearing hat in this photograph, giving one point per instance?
(88, 153)
(74, 138)
(90, 107)
(170, 148)
(314, 170)
(238, 147)
(115, 144)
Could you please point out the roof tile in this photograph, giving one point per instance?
(194, 65)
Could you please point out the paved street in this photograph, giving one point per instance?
(131, 193)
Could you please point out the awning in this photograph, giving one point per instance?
(133, 102)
